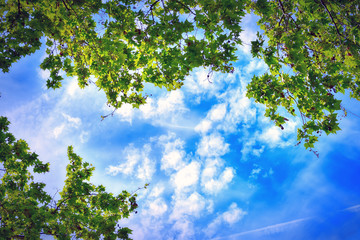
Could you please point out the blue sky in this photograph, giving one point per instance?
(217, 168)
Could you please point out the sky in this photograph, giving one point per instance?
(217, 168)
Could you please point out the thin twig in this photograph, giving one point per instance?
(283, 10)
(186, 7)
(332, 19)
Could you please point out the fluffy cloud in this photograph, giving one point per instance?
(173, 154)
(165, 106)
(70, 122)
(157, 190)
(217, 113)
(231, 216)
(183, 229)
(192, 205)
(212, 146)
(146, 170)
(240, 110)
(198, 82)
(126, 112)
(137, 162)
(275, 137)
(204, 126)
(212, 179)
(255, 172)
(163, 110)
(249, 147)
(157, 207)
(58, 130)
(235, 109)
(172, 102)
(255, 65)
(187, 176)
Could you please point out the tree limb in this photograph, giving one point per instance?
(68, 198)
(283, 10)
(332, 19)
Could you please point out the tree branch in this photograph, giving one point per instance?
(151, 8)
(186, 7)
(284, 12)
(332, 19)
(68, 198)
(19, 7)
(65, 5)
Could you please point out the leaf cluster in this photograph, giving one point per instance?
(122, 44)
(312, 49)
(320, 42)
(83, 211)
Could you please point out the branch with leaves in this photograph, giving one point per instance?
(84, 210)
(161, 42)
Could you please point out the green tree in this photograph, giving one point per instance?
(83, 211)
(319, 40)
(124, 44)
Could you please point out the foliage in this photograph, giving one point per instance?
(83, 211)
(320, 42)
(124, 44)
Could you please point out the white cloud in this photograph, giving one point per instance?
(275, 137)
(173, 101)
(157, 207)
(187, 176)
(73, 88)
(203, 127)
(255, 65)
(76, 122)
(212, 146)
(216, 185)
(231, 216)
(210, 179)
(190, 206)
(173, 154)
(70, 122)
(271, 136)
(84, 136)
(157, 191)
(165, 106)
(58, 130)
(255, 172)
(148, 109)
(257, 151)
(172, 160)
(249, 147)
(185, 227)
(126, 112)
(217, 112)
(146, 170)
(163, 110)
(44, 74)
(240, 110)
(137, 162)
(198, 82)
(234, 214)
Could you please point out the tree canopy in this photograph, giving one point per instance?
(83, 210)
(311, 49)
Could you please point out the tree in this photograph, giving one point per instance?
(319, 40)
(124, 44)
(83, 211)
